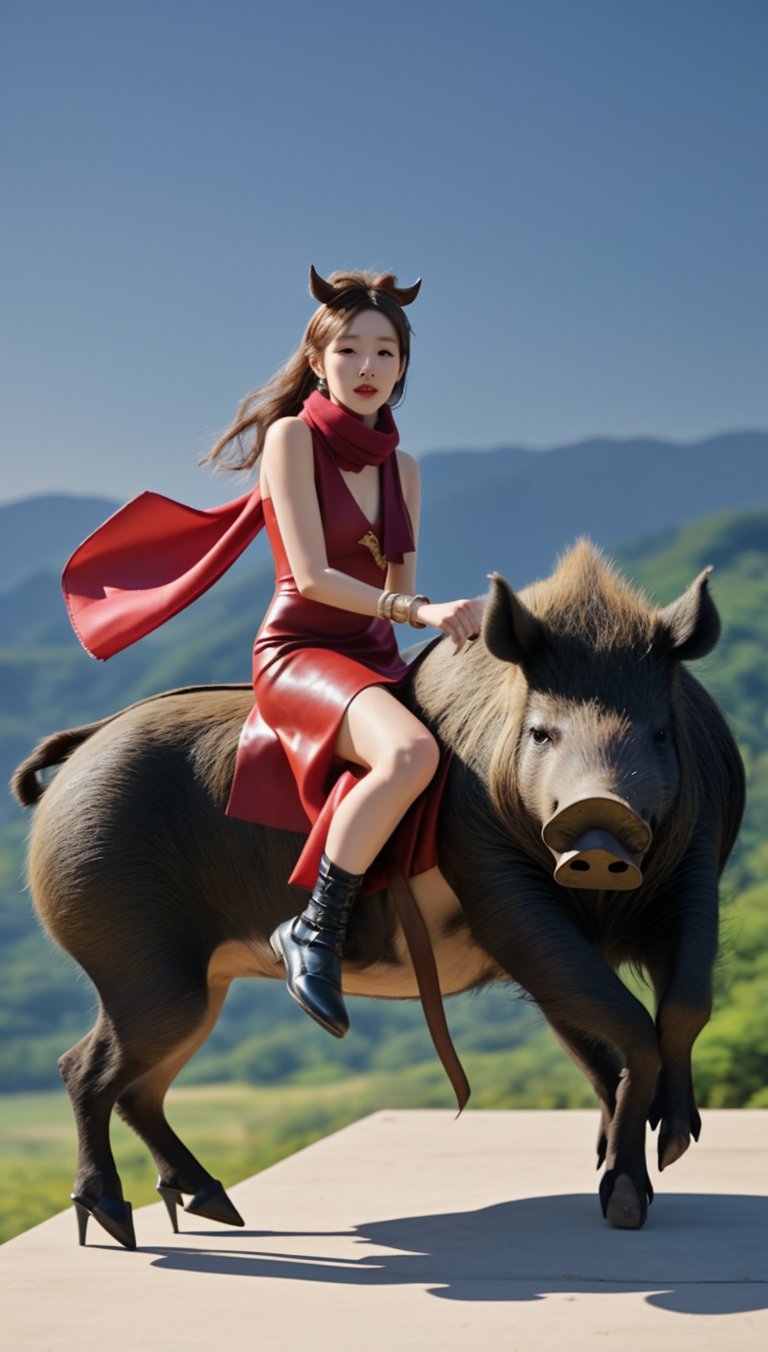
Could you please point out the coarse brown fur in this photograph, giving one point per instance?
(575, 690)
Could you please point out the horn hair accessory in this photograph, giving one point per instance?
(328, 294)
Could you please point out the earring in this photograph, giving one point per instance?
(322, 385)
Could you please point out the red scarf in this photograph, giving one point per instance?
(155, 556)
(354, 445)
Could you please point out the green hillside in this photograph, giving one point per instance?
(261, 1038)
(736, 545)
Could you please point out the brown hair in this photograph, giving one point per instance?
(284, 394)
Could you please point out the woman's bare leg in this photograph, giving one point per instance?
(401, 756)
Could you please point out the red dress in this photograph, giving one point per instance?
(155, 556)
(309, 661)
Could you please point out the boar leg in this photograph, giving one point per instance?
(525, 930)
(141, 1105)
(94, 1071)
(601, 1066)
(151, 1015)
(681, 972)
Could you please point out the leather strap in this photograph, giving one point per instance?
(423, 959)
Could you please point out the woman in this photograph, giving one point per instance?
(340, 504)
(340, 586)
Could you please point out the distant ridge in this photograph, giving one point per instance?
(38, 535)
(515, 510)
(727, 439)
(47, 682)
(511, 509)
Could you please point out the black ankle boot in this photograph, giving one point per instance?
(311, 944)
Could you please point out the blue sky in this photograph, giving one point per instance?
(581, 183)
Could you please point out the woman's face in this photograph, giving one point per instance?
(362, 363)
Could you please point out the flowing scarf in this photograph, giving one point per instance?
(156, 556)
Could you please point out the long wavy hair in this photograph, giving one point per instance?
(239, 447)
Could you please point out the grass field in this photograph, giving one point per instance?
(236, 1130)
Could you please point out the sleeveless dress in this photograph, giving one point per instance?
(309, 661)
(155, 556)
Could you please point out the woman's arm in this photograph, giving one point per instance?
(288, 477)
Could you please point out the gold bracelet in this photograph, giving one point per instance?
(417, 600)
(383, 607)
(400, 607)
(389, 608)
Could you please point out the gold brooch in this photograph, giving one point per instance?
(371, 542)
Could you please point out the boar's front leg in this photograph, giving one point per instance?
(524, 927)
(602, 1067)
(681, 971)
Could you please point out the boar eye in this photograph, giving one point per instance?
(540, 736)
(660, 736)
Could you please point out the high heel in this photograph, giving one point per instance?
(113, 1215)
(172, 1198)
(210, 1202)
(310, 946)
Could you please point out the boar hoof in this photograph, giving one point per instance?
(672, 1144)
(624, 1207)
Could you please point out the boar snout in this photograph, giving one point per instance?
(597, 843)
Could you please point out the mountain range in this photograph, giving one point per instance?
(512, 510)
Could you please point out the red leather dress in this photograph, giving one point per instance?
(309, 661)
(155, 556)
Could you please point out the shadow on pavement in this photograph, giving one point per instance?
(696, 1255)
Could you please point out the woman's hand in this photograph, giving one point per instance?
(461, 620)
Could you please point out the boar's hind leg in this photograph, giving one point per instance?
(94, 1071)
(141, 1105)
(148, 1014)
(601, 1066)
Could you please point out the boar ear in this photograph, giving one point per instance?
(511, 632)
(691, 624)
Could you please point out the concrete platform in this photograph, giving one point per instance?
(415, 1230)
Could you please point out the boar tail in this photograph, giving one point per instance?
(49, 752)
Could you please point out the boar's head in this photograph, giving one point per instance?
(597, 763)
